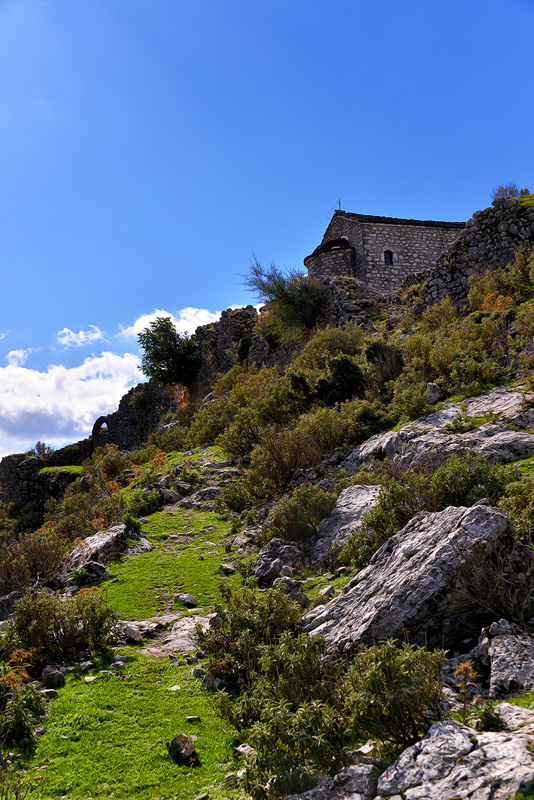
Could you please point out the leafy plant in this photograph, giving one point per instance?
(295, 517)
(294, 301)
(55, 628)
(394, 693)
(169, 357)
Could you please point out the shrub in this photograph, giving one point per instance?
(518, 504)
(246, 619)
(385, 358)
(274, 460)
(394, 693)
(461, 480)
(57, 628)
(143, 502)
(292, 715)
(144, 454)
(34, 558)
(508, 190)
(294, 301)
(233, 497)
(109, 462)
(295, 517)
(343, 381)
(410, 398)
(76, 514)
(327, 343)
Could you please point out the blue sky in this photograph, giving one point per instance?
(148, 148)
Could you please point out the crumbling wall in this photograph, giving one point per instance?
(488, 241)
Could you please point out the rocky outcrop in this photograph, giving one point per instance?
(344, 520)
(102, 547)
(413, 583)
(415, 442)
(455, 761)
(511, 655)
(274, 560)
(357, 782)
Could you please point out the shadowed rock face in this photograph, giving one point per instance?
(412, 582)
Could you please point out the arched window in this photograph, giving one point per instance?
(388, 257)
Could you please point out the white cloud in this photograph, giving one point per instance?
(61, 404)
(3, 335)
(186, 321)
(15, 358)
(68, 338)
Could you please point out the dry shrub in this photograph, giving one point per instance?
(496, 302)
(499, 579)
(34, 558)
(56, 628)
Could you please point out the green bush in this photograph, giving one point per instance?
(293, 300)
(246, 619)
(394, 693)
(57, 628)
(518, 504)
(461, 480)
(328, 343)
(233, 497)
(295, 517)
(143, 502)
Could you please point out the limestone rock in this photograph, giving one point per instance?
(293, 589)
(52, 677)
(104, 546)
(276, 554)
(181, 637)
(187, 600)
(456, 761)
(202, 499)
(411, 582)
(414, 442)
(512, 664)
(344, 520)
(7, 603)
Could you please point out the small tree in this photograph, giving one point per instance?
(169, 357)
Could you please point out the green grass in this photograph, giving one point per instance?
(145, 584)
(74, 470)
(107, 738)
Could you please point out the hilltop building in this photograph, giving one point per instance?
(380, 251)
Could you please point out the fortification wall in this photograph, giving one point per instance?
(488, 241)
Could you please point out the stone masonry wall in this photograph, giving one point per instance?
(331, 263)
(414, 249)
(354, 245)
(488, 241)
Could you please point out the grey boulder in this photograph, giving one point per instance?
(345, 519)
(271, 560)
(412, 581)
(454, 761)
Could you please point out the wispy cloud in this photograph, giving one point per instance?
(15, 358)
(68, 338)
(186, 320)
(61, 404)
(4, 334)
